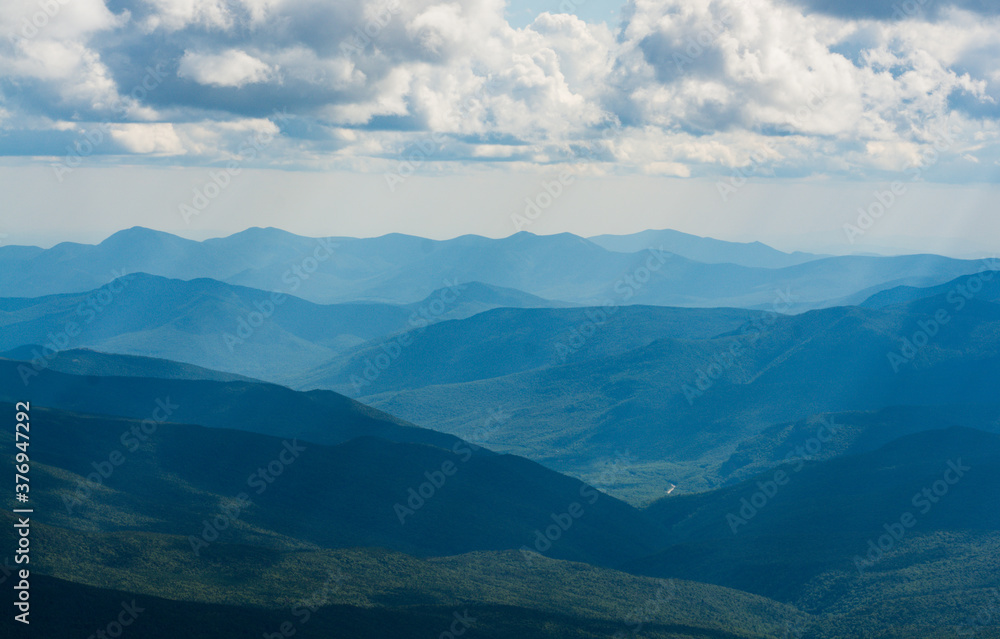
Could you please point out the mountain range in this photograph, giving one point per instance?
(271, 435)
(704, 249)
(401, 269)
(681, 403)
(226, 327)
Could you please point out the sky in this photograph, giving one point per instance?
(815, 125)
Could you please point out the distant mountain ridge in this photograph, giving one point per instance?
(231, 328)
(982, 285)
(704, 249)
(402, 269)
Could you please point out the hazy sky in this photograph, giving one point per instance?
(742, 119)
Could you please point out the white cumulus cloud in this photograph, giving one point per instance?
(229, 68)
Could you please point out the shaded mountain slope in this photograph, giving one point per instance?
(178, 477)
(819, 520)
(84, 361)
(505, 341)
(691, 402)
(318, 416)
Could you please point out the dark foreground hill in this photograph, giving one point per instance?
(867, 535)
(167, 520)
(85, 361)
(215, 531)
(372, 594)
(319, 416)
(369, 491)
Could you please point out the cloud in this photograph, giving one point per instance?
(683, 87)
(25, 20)
(46, 63)
(230, 68)
(148, 139)
(173, 15)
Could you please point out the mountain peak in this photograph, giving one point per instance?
(262, 232)
(141, 234)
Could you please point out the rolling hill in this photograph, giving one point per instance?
(224, 327)
(682, 406)
(983, 285)
(789, 569)
(87, 362)
(506, 341)
(366, 491)
(893, 533)
(322, 417)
